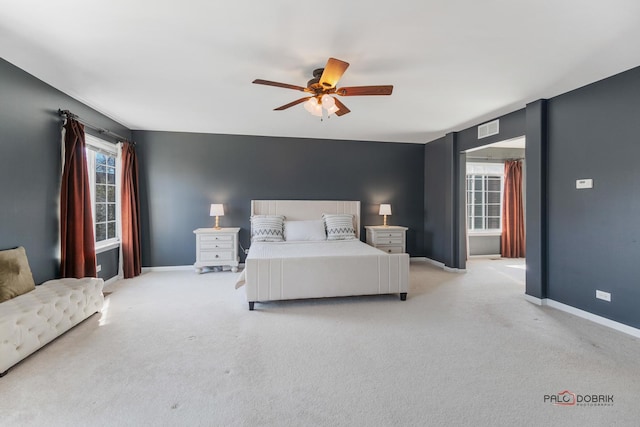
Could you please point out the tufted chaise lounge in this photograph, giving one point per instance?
(29, 321)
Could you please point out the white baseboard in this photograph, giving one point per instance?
(168, 268)
(434, 262)
(535, 300)
(621, 327)
(178, 268)
(442, 266)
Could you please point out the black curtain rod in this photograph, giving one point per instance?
(102, 131)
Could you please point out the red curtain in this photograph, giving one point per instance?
(77, 243)
(513, 238)
(131, 253)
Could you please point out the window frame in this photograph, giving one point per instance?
(97, 145)
(483, 171)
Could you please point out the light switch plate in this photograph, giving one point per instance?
(584, 183)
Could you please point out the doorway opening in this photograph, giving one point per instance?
(485, 222)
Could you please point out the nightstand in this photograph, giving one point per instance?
(391, 238)
(216, 248)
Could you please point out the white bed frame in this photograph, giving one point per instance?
(279, 278)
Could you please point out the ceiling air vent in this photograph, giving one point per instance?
(488, 129)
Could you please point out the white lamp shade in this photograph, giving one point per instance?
(309, 105)
(327, 101)
(385, 209)
(216, 210)
(332, 110)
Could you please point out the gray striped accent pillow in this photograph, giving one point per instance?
(267, 228)
(339, 226)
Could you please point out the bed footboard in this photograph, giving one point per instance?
(298, 278)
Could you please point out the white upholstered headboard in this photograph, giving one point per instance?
(297, 210)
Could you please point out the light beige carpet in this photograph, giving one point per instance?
(177, 348)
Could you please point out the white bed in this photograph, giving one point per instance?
(297, 270)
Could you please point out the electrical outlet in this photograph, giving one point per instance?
(605, 296)
(98, 268)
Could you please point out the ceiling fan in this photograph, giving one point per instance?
(322, 87)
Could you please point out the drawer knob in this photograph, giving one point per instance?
(216, 256)
(389, 241)
(389, 250)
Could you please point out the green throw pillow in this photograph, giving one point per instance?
(15, 274)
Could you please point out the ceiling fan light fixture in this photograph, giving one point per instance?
(308, 106)
(311, 104)
(332, 109)
(327, 101)
(317, 110)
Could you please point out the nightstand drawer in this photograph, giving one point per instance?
(216, 255)
(216, 238)
(391, 234)
(382, 240)
(391, 249)
(216, 245)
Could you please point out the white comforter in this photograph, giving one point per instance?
(262, 250)
(327, 248)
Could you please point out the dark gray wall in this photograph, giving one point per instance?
(512, 125)
(30, 165)
(183, 173)
(438, 199)
(594, 235)
(536, 216)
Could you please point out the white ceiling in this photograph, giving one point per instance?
(188, 65)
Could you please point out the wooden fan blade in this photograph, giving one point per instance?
(342, 109)
(276, 84)
(365, 90)
(334, 69)
(291, 104)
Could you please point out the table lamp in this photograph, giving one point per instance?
(216, 210)
(385, 209)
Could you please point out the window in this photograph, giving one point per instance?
(103, 166)
(485, 182)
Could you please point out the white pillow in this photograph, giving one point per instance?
(309, 230)
(267, 228)
(339, 226)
